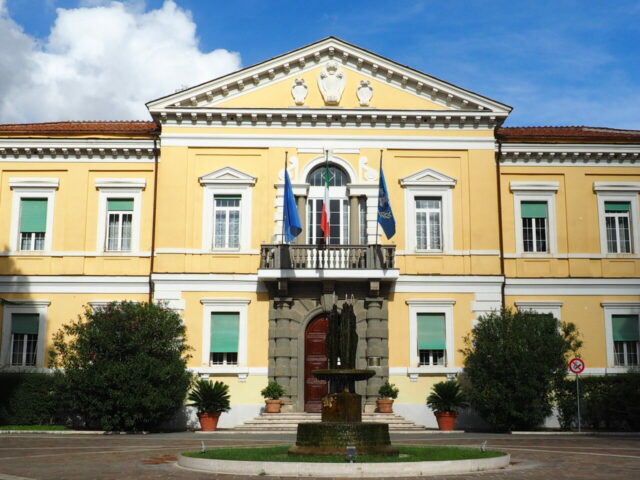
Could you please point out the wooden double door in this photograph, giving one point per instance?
(315, 358)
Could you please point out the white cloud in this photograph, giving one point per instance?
(102, 63)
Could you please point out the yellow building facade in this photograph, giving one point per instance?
(188, 210)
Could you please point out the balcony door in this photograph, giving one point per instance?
(338, 206)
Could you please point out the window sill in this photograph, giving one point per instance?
(223, 370)
(414, 372)
(23, 369)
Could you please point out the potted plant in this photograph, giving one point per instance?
(445, 399)
(387, 393)
(272, 393)
(211, 399)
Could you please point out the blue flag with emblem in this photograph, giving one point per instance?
(385, 215)
(292, 225)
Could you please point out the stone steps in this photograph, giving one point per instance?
(288, 422)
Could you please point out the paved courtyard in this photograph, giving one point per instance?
(43, 457)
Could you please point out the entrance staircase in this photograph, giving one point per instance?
(288, 422)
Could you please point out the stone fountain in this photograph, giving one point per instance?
(341, 424)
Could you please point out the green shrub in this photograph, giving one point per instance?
(272, 391)
(388, 390)
(513, 363)
(123, 367)
(609, 402)
(29, 399)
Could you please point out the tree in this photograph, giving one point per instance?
(123, 366)
(513, 363)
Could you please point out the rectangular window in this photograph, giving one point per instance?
(617, 224)
(626, 337)
(338, 221)
(119, 220)
(33, 223)
(226, 215)
(534, 226)
(428, 223)
(24, 339)
(224, 338)
(431, 339)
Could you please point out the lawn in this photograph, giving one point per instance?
(33, 427)
(279, 453)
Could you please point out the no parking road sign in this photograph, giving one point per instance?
(576, 365)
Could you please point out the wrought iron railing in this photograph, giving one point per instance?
(329, 257)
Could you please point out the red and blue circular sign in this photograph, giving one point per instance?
(576, 365)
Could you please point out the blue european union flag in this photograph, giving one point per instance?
(292, 225)
(385, 215)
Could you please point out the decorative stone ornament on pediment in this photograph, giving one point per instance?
(331, 81)
(365, 93)
(368, 174)
(299, 91)
(428, 177)
(227, 175)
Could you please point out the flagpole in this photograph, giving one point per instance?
(286, 154)
(377, 222)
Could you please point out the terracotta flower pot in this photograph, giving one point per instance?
(384, 405)
(446, 420)
(272, 406)
(209, 421)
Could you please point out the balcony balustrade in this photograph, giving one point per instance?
(327, 257)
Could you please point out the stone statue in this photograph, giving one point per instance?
(342, 339)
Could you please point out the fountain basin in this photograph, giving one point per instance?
(331, 438)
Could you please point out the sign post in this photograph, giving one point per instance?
(576, 365)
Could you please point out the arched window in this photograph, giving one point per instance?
(338, 205)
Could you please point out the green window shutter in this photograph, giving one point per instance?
(534, 209)
(33, 215)
(431, 331)
(25, 323)
(120, 204)
(224, 332)
(625, 328)
(227, 197)
(617, 206)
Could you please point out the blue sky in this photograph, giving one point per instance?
(565, 62)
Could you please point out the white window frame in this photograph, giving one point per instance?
(227, 223)
(227, 181)
(552, 307)
(429, 183)
(428, 211)
(39, 307)
(31, 188)
(119, 188)
(441, 306)
(611, 309)
(619, 192)
(536, 192)
(230, 305)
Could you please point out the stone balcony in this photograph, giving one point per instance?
(327, 261)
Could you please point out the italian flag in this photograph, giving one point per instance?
(324, 219)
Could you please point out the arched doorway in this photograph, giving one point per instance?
(315, 358)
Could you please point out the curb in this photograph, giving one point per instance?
(360, 470)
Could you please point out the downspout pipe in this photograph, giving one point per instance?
(156, 140)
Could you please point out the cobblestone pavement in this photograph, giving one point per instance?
(57, 457)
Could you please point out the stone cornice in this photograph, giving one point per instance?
(329, 118)
(311, 56)
(12, 149)
(570, 154)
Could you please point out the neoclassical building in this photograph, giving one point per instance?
(187, 209)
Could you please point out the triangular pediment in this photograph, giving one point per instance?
(428, 177)
(227, 175)
(369, 81)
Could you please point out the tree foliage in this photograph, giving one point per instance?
(513, 363)
(123, 366)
